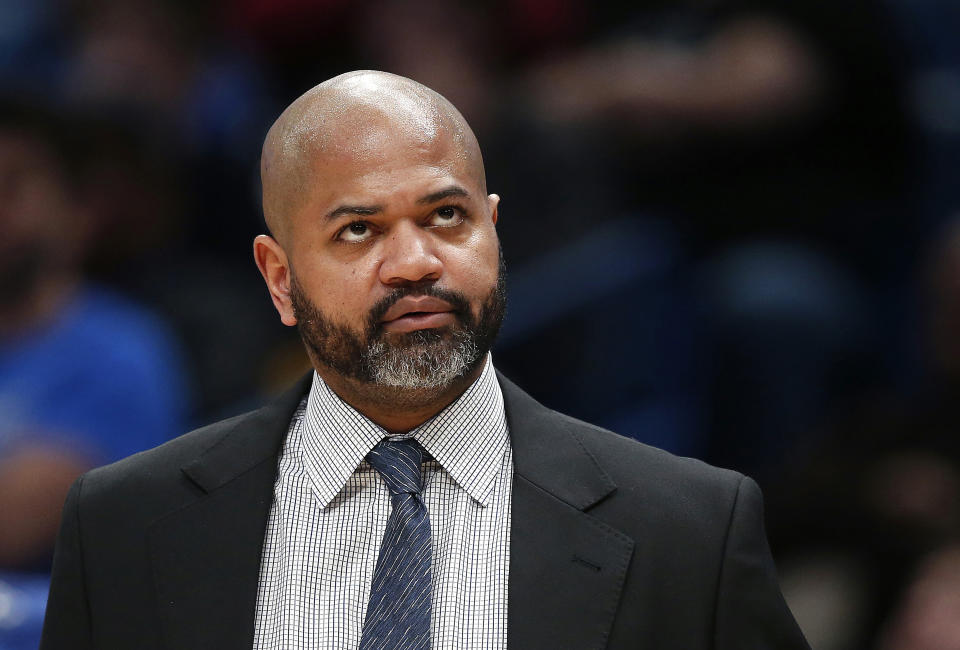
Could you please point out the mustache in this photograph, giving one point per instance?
(456, 300)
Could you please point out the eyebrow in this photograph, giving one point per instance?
(367, 210)
(446, 193)
(364, 210)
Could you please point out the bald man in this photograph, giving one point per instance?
(404, 494)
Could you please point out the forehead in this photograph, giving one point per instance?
(377, 159)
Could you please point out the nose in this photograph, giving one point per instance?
(409, 257)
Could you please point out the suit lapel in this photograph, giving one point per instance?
(207, 555)
(566, 567)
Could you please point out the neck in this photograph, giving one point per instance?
(398, 410)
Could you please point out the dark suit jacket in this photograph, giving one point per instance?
(613, 544)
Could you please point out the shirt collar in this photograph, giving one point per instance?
(468, 438)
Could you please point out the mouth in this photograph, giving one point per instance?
(418, 312)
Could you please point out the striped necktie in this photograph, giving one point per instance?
(398, 614)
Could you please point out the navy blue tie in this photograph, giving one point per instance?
(398, 615)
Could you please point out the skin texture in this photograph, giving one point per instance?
(372, 184)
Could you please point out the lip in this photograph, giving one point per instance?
(418, 312)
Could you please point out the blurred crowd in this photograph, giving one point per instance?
(732, 229)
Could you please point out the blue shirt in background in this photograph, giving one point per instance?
(103, 379)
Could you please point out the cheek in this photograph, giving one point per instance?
(342, 292)
(478, 266)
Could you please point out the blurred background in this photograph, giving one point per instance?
(732, 229)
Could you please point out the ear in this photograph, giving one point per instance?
(494, 201)
(275, 269)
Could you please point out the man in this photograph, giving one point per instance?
(404, 495)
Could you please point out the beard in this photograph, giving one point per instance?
(424, 361)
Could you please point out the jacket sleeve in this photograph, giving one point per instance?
(751, 613)
(67, 622)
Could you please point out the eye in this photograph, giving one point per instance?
(446, 217)
(356, 231)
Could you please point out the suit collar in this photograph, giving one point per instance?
(250, 440)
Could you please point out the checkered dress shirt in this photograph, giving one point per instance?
(330, 510)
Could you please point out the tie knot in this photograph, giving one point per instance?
(398, 462)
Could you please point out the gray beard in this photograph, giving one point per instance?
(422, 366)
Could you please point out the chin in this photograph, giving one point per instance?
(428, 361)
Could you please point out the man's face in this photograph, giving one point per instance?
(396, 275)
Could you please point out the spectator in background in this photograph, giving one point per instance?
(879, 500)
(156, 64)
(85, 376)
(743, 118)
(198, 125)
(772, 136)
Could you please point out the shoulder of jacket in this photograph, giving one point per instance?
(640, 468)
(160, 464)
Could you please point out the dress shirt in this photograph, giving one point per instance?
(330, 510)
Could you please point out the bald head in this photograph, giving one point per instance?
(356, 115)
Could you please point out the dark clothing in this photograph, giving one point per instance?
(613, 544)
